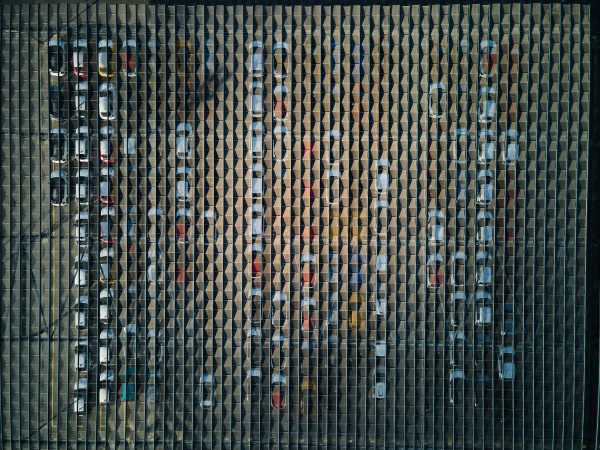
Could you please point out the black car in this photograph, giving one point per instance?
(57, 104)
(59, 188)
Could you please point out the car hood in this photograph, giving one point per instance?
(103, 354)
(104, 188)
(80, 360)
(181, 145)
(81, 147)
(102, 58)
(383, 181)
(257, 145)
(257, 62)
(182, 189)
(103, 103)
(81, 190)
(104, 312)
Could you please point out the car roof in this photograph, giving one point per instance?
(105, 43)
(107, 252)
(83, 215)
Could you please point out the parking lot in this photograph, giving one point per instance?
(354, 226)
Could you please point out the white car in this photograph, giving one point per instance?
(437, 100)
(105, 262)
(257, 220)
(256, 182)
(106, 220)
(506, 363)
(436, 231)
(509, 143)
(104, 342)
(59, 145)
(80, 58)
(487, 104)
(457, 310)
(333, 150)
(81, 97)
(106, 150)
(485, 180)
(81, 356)
(106, 379)
(379, 382)
(257, 104)
(82, 228)
(485, 228)
(334, 187)
(184, 175)
(83, 186)
(255, 59)
(280, 52)
(383, 177)
(80, 270)
(106, 101)
(81, 308)
(458, 267)
(483, 308)
(208, 397)
(488, 54)
(483, 275)
(104, 305)
(281, 143)
(460, 146)
(57, 57)
(106, 174)
(486, 147)
(184, 135)
(257, 144)
(82, 143)
(80, 396)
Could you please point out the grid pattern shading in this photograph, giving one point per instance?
(250, 226)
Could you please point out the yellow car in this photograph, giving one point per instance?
(106, 59)
(357, 312)
(185, 67)
(308, 397)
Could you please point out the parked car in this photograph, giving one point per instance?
(280, 110)
(253, 309)
(485, 228)
(485, 180)
(81, 355)
(106, 224)
(185, 65)
(457, 348)
(437, 100)
(155, 219)
(59, 188)
(280, 307)
(456, 387)
(106, 101)
(357, 312)
(510, 149)
(80, 270)
(107, 272)
(256, 138)
(334, 187)
(56, 103)
(508, 323)
(458, 264)
(483, 262)
(81, 312)
(152, 384)
(81, 98)
(488, 54)
(279, 347)
(278, 391)
(209, 226)
(80, 58)
(184, 228)
(184, 136)
(333, 148)
(129, 145)
(435, 271)
(106, 174)
(184, 174)
(57, 57)
(460, 146)
(106, 58)
(256, 261)
(82, 228)
(457, 309)
(104, 343)
(436, 231)
(378, 382)
(257, 103)
(308, 270)
(486, 147)
(105, 305)
(487, 104)
(83, 186)
(129, 58)
(382, 218)
(80, 396)
(185, 101)
(208, 398)
(506, 363)
(83, 141)
(280, 55)
(107, 149)
(308, 397)
(257, 187)
(483, 308)
(253, 385)
(383, 177)
(59, 145)
(255, 66)
(281, 143)
(310, 316)
(106, 379)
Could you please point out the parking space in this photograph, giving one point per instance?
(294, 225)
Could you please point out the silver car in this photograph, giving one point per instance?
(255, 59)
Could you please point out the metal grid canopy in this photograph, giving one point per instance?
(301, 266)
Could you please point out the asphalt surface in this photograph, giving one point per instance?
(538, 254)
